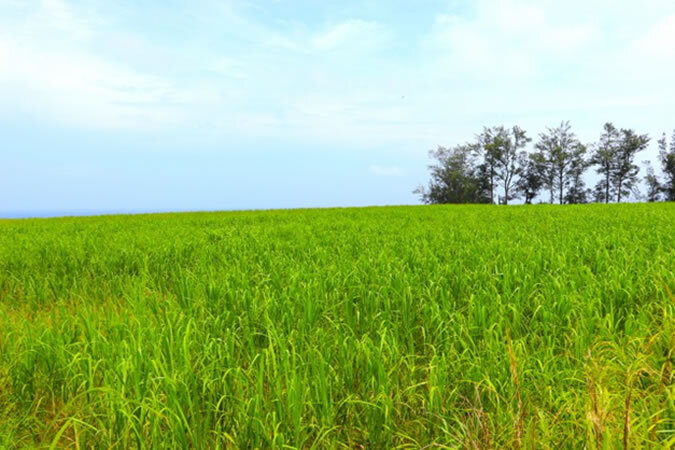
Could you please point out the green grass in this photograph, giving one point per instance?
(440, 326)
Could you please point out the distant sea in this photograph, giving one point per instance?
(39, 214)
(61, 213)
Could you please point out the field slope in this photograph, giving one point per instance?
(445, 326)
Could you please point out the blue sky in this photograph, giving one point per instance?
(231, 104)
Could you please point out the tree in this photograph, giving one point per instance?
(454, 177)
(489, 147)
(577, 192)
(625, 172)
(614, 157)
(604, 158)
(510, 162)
(502, 152)
(559, 147)
(667, 159)
(654, 187)
(546, 147)
(472, 173)
(598, 193)
(532, 177)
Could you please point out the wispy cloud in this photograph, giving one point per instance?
(62, 79)
(238, 71)
(353, 32)
(659, 41)
(509, 38)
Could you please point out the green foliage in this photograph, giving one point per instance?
(576, 187)
(615, 160)
(604, 158)
(565, 164)
(454, 178)
(654, 187)
(533, 176)
(625, 173)
(438, 326)
(667, 160)
(503, 155)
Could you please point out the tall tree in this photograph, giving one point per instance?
(654, 187)
(509, 167)
(667, 159)
(625, 173)
(454, 177)
(502, 151)
(577, 192)
(532, 177)
(598, 193)
(559, 147)
(545, 151)
(604, 159)
(490, 146)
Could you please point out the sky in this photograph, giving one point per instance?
(139, 105)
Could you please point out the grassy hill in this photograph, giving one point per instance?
(453, 326)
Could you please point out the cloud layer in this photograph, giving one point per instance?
(237, 68)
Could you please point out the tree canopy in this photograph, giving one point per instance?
(497, 167)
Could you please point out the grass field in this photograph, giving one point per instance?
(439, 326)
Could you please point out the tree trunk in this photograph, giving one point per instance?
(561, 187)
(618, 190)
(607, 187)
(507, 186)
(552, 197)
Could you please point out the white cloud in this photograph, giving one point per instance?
(59, 64)
(355, 32)
(58, 15)
(641, 68)
(227, 67)
(81, 89)
(50, 71)
(659, 41)
(504, 61)
(510, 38)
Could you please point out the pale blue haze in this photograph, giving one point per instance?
(131, 106)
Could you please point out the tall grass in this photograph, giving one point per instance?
(447, 326)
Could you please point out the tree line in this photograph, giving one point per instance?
(497, 167)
